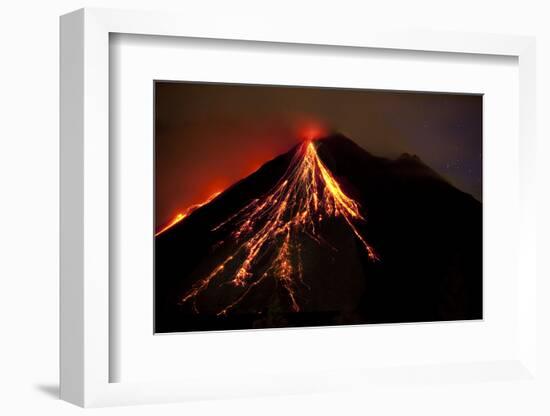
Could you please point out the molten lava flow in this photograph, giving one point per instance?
(180, 216)
(267, 230)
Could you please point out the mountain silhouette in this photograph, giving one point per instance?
(425, 236)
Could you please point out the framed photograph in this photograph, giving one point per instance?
(278, 212)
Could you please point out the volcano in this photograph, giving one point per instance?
(324, 234)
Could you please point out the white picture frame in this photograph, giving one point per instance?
(85, 220)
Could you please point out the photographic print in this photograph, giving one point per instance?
(290, 206)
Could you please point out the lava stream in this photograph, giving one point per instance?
(267, 230)
(182, 215)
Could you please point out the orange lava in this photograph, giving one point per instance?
(267, 230)
(180, 216)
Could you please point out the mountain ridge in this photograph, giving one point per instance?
(418, 163)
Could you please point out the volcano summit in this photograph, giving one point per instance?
(324, 234)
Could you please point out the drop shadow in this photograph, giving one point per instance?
(51, 390)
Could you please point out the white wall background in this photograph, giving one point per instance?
(29, 206)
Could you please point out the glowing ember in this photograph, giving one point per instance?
(267, 230)
(180, 216)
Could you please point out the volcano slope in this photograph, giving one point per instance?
(325, 234)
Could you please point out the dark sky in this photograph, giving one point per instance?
(208, 136)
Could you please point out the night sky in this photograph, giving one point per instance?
(208, 136)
